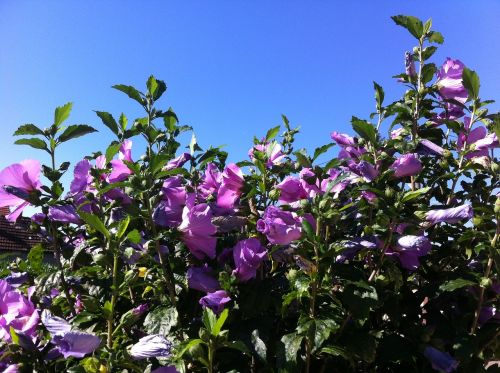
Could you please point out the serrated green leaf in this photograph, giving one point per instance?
(220, 322)
(28, 129)
(161, 320)
(122, 227)
(456, 284)
(74, 131)
(259, 346)
(271, 133)
(130, 91)
(412, 24)
(364, 129)
(471, 82)
(33, 142)
(379, 95)
(321, 150)
(408, 196)
(35, 258)
(112, 150)
(436, 37)
(108, 120)
(62, 113)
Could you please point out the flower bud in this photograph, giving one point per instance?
(389, 192)
(495, 167)
(486, 282)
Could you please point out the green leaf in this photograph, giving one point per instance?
(428, 52)
(155, 87)
(170, 120)
(186, 346)
(108, 121)
(123, 122)
(307, 228)
(292, 343)
(321, 150)
(130, 91)
(161, 320)
(33, 142)
(209, 319)
(62, 113)
(193, 145)
(14, 336)
(428, 72)
(220, 322)
(74, 131)
(456, 284)
(408, 196)
(435, 37)
(95, 223)
(364, 129)
(471, 82)
(360, 298)
(28, 129)
(90, 365)
(302, 158)
(134, 236)
(106, 309)
(122, 227)
(259, 346)
(271, 134)
(112, 150)
(412, 24)
(237, 345)
(379, 95)
(35, 258)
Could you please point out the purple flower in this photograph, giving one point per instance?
(199, 278)
(451, 215)
(272, 151)
(280, 227)
(426, 147)
(17, 181)
(352, 247)
(119, 170)
(406, 165)
(151, 346)
(370, 197)
(216, 300)
(230, 189)
(450, 84)
(410, 65)
(168, 213)
(16, 279)
(81, 177)
(140, 309)
(397, 133)
(441, 361)
(488, 313)
(343, 139)
(248, 254)
(197, 229)
(479, 140)
(178, 162)
(409, 249)
(69, 342)
(291, 190)
(16, 311)
(211, 181)
(364, 169)
(64, 214)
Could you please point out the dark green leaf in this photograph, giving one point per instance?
(28, 129)
(412, 24)
(259, 346)
(156, 87)
(379, 95)
(408, 196)
(364, 129)
(35, 258)
(292, 343)
(302, 158)
(108, 121)
(74, 131)
(112, 150)
(33, 142)
(456, 284)
(130, 92)
(62, 113)
(436, 37)
(471, 82)
(321, 150)
(271, 133)
(428, 72)
(161, 320)
(122, 227)
(428, 52)
(95, 223)
(209, 319)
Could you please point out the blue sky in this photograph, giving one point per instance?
(232, 67)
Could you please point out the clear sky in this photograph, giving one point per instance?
(232, 67)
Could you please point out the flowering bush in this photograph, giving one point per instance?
(384, 258)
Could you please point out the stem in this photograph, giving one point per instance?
(210, 358)
(57, 251)
(114, 298)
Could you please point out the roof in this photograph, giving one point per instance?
(17, 236)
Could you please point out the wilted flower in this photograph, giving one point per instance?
(248, 255)
(441, 361)
(200, 278)
(451, 215)
(406, 165)
(230, 189)
(197, 229)
(151, 346)
(280, 227)
(410, 65)
(16, 183)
